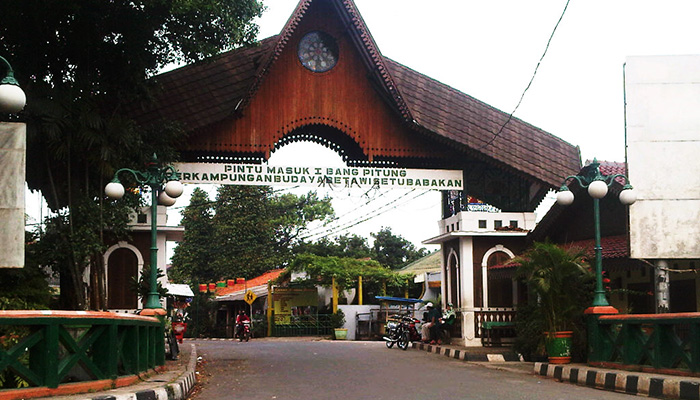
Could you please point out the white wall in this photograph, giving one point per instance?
(663, 139)
(350, 314)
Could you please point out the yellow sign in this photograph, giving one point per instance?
(250, 297)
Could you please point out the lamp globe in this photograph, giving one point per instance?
(565, 197)
(114, 190)
(598, 189)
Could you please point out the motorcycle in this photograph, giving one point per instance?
(401, 330)
(243, 331)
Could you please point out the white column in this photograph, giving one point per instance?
(466, 264)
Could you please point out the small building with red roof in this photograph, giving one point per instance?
(231, 298)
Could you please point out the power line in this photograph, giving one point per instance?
(351, 212)
(522, 96)
(358, 221)
(323, 229)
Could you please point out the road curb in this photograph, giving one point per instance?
(177, 390)
(623, 381)
(465, 355)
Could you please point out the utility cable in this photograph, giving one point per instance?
(356, 222)
(522, 96)
(324, 228)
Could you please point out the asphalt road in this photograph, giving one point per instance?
(302, 369)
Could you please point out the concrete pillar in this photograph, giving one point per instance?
(663, 283)
(12, 164)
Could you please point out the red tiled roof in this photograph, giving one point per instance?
(250, 283)
(610, 167)
(460, 118)
(613, 246)
(506, 265)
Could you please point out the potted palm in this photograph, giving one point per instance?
(338, 320)
(560, 280)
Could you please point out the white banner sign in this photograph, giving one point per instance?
(347, 177)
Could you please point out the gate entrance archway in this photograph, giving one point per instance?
(323, 79)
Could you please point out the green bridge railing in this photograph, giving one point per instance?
(646, 342)
(49, 348)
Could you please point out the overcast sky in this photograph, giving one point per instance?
(489, 50)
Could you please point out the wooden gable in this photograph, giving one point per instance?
(290, 98)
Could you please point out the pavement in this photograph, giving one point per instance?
(179, 376)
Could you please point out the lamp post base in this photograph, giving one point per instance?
(152, 312)
(601, 310)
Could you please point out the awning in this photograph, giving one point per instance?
(398, 299)
(259, 291)
(179, 289)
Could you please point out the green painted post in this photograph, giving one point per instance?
(160, 342)
(694, 347)
(599, 294)
(600, 346)
(113, 343)
(656, 352)
(153, 298)
(668, 347)
(594, 340)
(633, 343)
(143, 348)
(51, 365)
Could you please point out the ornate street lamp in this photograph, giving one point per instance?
(12, 97)
(165, 187)
(597, 185)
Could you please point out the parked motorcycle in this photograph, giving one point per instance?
(243, 331)
(401, 330)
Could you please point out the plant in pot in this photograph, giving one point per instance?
(337, 321)
(560, 281)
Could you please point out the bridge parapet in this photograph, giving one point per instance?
(53, 349)
(666, 343)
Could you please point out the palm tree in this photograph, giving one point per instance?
(561, 279)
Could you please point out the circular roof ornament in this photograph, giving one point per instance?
(318, 51)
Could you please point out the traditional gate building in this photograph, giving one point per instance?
(324, 80)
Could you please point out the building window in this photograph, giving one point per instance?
(482, 224)
(497, 224)
(513, 224)
(141, 218)
(458, 229)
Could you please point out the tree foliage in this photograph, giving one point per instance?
(394, 251)
(246, 231)
(351, 246)
(25, 288)
(193, 256)
(320, 270)
(84, 67)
